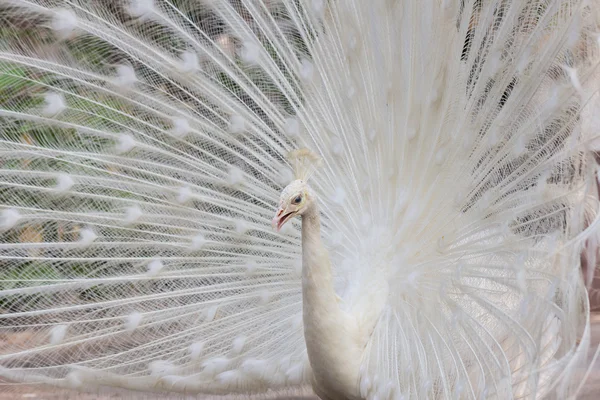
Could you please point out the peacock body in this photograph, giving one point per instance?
(445, 200)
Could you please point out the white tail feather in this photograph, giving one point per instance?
(143, 146)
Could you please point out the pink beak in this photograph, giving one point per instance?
(280, 218)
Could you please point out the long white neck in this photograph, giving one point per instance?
(317, 277)
(332, 336)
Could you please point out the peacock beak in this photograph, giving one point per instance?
(281, 217)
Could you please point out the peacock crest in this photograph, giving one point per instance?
(304, 163)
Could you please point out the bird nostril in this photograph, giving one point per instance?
(279, 212)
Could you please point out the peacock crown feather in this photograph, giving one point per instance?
(304, 163)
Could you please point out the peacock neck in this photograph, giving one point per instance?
(317, 277)
(318, 293)
(332, 336)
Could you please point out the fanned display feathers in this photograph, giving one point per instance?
(144, 145)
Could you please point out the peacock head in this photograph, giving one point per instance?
(297, 197)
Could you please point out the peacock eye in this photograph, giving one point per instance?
(297, 200)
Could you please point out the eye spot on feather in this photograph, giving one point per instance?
(86, 237)
(132, 214)
(250, 53)
(250, 267)
(154, 267)
(125, 143)
(54, 104)
(196, 350)
(264, 297)
(64, 22)
(125, 77)
(9, 218)
(237, 124)
(180, 127)
(58, 334)
(241, 227)
(133, 321)
(184, 194)
(197, 242)
(188, 62)
(64, 183)
(235, 177)
(142, 9)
